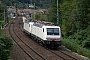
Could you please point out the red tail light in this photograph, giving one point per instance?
(52, 38)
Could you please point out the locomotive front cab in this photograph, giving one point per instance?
(53, 36)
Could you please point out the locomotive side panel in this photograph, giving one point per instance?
(26, 27)
(37, 31)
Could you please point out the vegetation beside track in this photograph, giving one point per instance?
(5, 47)
(6, 43)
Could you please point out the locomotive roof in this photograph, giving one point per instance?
(42, 23)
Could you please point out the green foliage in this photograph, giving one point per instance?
(67, 16)
(81, 13)
(82, 37)
(39, 16)
(83, 51)
(74, 16)
(52, 16)
(70, 44)
(53, 12)
(75, 47)
(2, 8)
(5, 47)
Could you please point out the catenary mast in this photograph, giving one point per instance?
(57, 14)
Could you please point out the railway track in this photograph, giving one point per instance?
(63, 55)
(26, 48)
(33, 50)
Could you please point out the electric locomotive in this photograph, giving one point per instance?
(44, 33)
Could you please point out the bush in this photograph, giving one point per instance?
(70, 44)
(83, 51)
(5, 47)
(82, 37)
(74, 46)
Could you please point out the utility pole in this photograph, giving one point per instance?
(57, 14)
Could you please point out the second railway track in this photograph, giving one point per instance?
(26, 48)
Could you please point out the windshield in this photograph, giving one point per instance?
(52, 31)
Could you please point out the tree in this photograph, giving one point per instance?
(2, 9)
(82, 11)
(75, 13)
(67, 18)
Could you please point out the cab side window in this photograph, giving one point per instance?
(43, 29)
